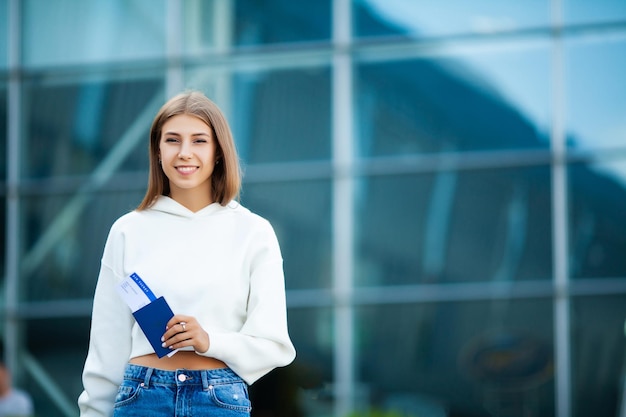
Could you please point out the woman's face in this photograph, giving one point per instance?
(187, 152)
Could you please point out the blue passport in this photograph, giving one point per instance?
(152, 319)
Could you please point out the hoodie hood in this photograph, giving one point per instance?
(168, 205)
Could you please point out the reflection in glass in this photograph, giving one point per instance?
(299, 211)
(282, 116)
(4, 41)
(466, 103)
(57, 347)
(583, 11)
(597, 203)
(454, 226)
(70, 129)
(464, 359)
(63, 32)
(275, 116)
(598, 349)
(211, 25)
(56, 261)
(302, 388)
(3, 230)
(596, 93)
(3, 132)
(425, 19)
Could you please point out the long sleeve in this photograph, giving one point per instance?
(263, 342)
(109, 344)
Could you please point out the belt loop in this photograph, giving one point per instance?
(205, 379)
(146, 379)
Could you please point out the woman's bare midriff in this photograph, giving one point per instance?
(180, 360)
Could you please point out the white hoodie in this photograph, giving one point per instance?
(221, 265)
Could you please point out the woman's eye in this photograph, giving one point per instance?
(201, 141)
(171, 140)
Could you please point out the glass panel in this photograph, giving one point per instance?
(63, 238)
(432, 18)
(451, 226)
(297, 209)
(479, 101)
(220, 24)
(57, 347)
(597, 193)
(92, 31)
(598, 348)
(300, 389)
(4, 24)
(584, 11)
(467, 359)
(72, 128)
(276, 116)
(596, 92)
(3, 132)
(3, 250)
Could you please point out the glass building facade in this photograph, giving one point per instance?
(447, 180)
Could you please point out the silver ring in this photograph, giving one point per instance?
(182, 323)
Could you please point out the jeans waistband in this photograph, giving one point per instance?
(205, 378)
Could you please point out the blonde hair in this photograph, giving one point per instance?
(226, 177)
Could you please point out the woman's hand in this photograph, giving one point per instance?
(182, 331)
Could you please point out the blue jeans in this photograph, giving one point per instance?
(181, 393)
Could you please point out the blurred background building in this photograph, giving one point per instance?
(447, 180)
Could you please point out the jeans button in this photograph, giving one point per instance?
(182, 377)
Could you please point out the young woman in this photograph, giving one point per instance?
(217, 265)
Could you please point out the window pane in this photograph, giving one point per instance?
(57, 347)
(302, 388)
(4, 23)
(425, 19)
(300, 214)
(221, 24)
(72, 128)
(597, 222)
(467, 359)
(63, 238)
(480, 101)
(454, 226)
(64, 32)
(584, 11)
(597, 341)
(276, 116)
(596, 92)
(3, 132)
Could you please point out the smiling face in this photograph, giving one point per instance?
(187, 151)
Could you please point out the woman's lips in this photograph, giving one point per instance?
(186, 170)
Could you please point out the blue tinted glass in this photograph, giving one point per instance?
(424, 18)
(480, 101)
(597, 203)
(454, 226)
(476, 358)
(585, 11)
(301, 216)
(60, 350)
(597, 340)
(596, 92)
(4, 24)
(304, 387)
(65, 32)
(222, 24)
(278, 21)
(3, 132)
(276, 116)
(63, 236)
(71, 128)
